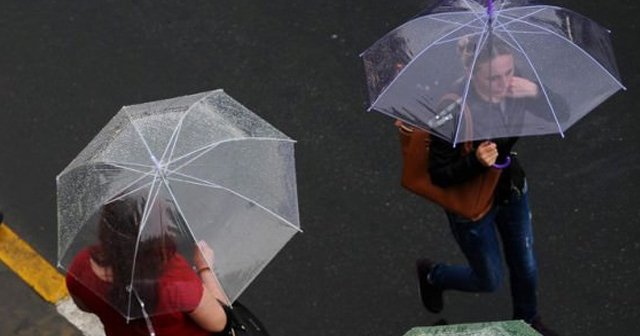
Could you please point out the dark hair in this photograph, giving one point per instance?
(385, 61)
(494, 47)
(118, 234)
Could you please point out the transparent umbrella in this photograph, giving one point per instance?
(515, 67)
(198, 167)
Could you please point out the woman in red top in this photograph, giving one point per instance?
(180, 301)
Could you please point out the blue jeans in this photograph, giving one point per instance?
(511, 222)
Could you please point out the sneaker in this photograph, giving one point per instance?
(537, 324)
(431, 295)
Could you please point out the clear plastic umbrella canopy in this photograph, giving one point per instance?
(198, 167)
(467, 70)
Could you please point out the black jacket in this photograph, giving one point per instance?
(447, 165)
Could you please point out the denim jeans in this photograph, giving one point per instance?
(509, 221)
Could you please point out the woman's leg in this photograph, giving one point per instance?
(479, 242)
(514, 225)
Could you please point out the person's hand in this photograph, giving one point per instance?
(487, 153)
(521, 88)
(203, 256)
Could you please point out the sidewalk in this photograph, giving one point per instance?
(36, 301)
(25, 313)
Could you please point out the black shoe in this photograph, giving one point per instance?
(537, 324)
(431, 295)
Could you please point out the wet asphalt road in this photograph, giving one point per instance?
(66, 67)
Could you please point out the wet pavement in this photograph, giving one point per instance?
(25, 313)
(66, 67)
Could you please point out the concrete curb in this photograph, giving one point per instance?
(89, 324)
(45, 280)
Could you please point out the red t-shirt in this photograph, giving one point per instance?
(180, 291)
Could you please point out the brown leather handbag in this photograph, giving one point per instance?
(471, 199)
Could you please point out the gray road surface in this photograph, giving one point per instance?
(66, 67)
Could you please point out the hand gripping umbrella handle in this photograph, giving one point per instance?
(503, 165)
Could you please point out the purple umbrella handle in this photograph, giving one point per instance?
(503, 165)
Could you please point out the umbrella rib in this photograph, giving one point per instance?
(118, 195)
(198, 152)
(175, 200)
(130, 164)
(542, 88)
(521, 8)
(145, 215)
(571, 43)
(502, 29)
(203, 150)
(473, 6)
(512, 18)
(454, 23)
(120, 165)
(495, 29)
(205, 183)
(455, 39)
(179, 127)
(483, 39)
(501, 8)
(123, 166)
(173, 140)
(146, 145)
(156, 189)
(404, 69)
(475, 11)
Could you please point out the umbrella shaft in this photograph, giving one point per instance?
(490, 10)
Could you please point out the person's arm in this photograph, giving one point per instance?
(536, 102)
(448, 167)
(209, 314)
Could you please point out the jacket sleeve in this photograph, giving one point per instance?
(448, 167)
